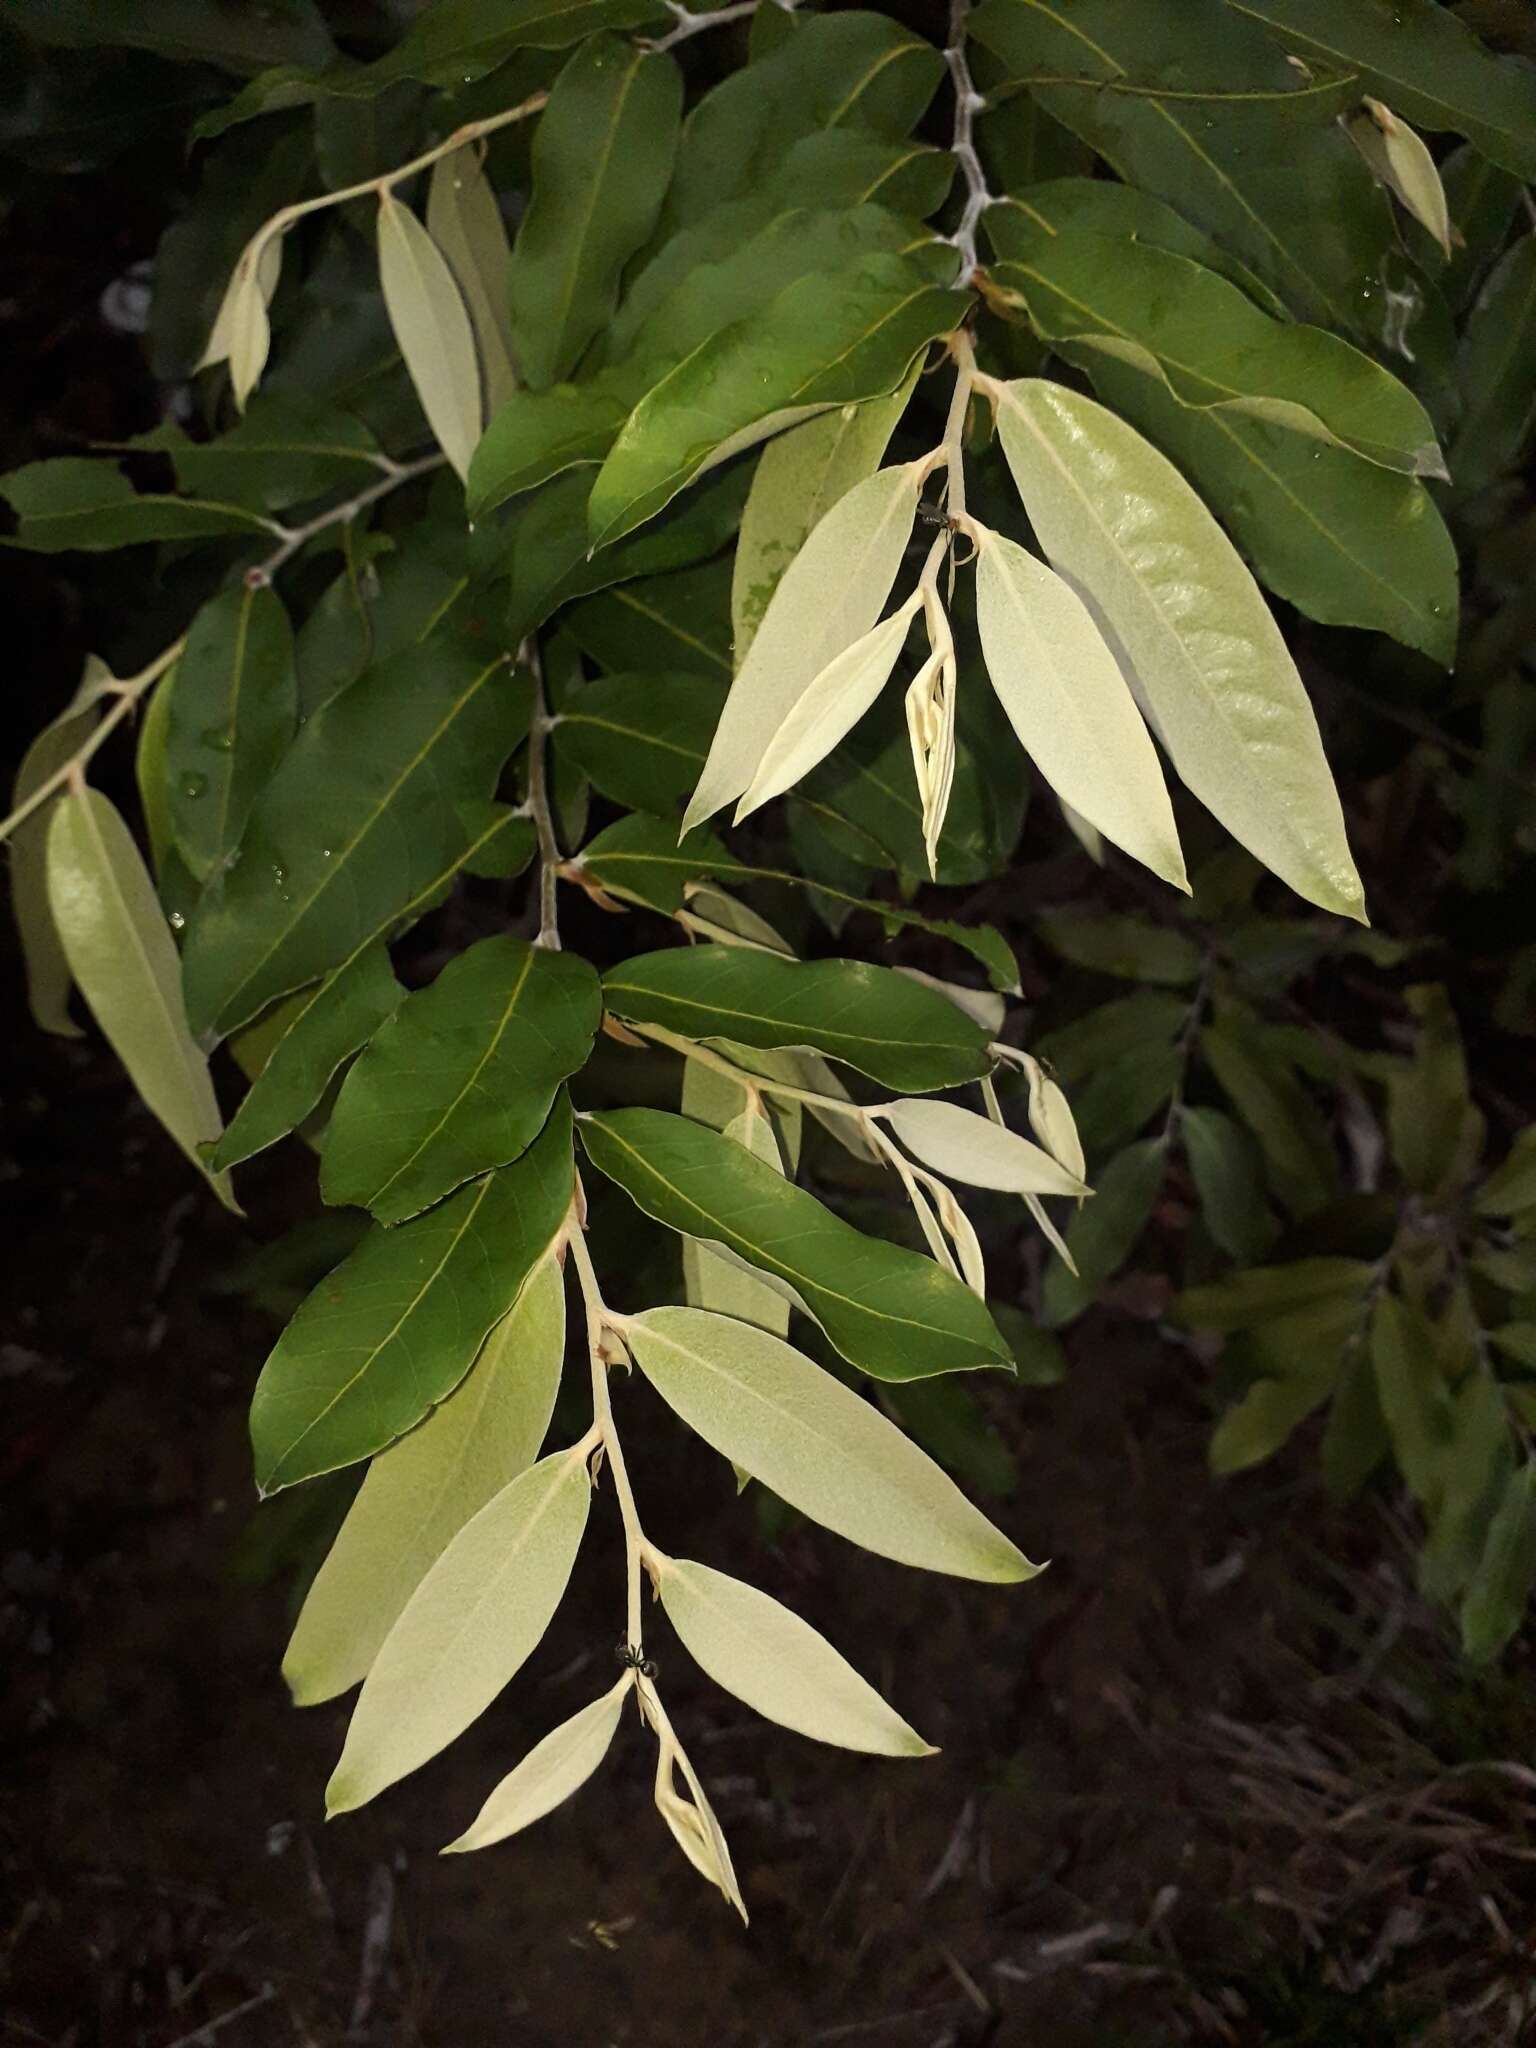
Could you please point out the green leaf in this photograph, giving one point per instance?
(47, 971)
(963, 1146)
(1125, 946)
(473, 1621)
(455, 36)
(1347, 542)
(1416, 54)
(856, 70)
(1497, 372)
(432, 327)
(1355, 1439)
(1478, 1466)
(829, 597)
(1227, 1171)
(659, 622)
(190, 31)
(896, 1031)
(548, 1775)
(460, 1077)
(890, 1313)
(280, 452)
(464, 220)
(1436, 1133)
(816, 1444)
(823, 342)
(232, 714)
(1483, 200)
(374, 608)
(951, 1424)
(1103, 1233)
(1067, 700)
(372, 804)
(602, 156)
(1495, 1604)
(639, 738)
(327, 1026)
(1400, 160)
(799, 477)
(1199, 106)
(1511, 1187)
(1303, 1170)
(1172, 319)
(1268, 1292)
(1415, 1401)
(119, 950)
(73, 502)
(758, 1650)
(1120, 521)
(420, 1492)
(395, 1328)
(1112, 1033)
(1263, 1420)
(708, 1280)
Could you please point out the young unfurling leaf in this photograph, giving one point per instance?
(426, 310)
(474, 1620)
(777, 1663)
(1068, 702)
(812, 1440)
(1397, 155)
(1119, 520)
(241, 333)
(549, 1774)
(830, 596)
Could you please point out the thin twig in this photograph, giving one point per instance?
(686, 23)
(540, 808)
(295, 537)
(127, 692)
(599, 1322)
(968, 104)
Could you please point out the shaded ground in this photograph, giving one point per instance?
(1116, 1845)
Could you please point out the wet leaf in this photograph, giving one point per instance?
(73, 502)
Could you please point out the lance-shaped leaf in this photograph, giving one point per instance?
(279, 453)
(1348, 542)
(381, 793)
(395, 1328)
(472, 1623)
(1051, 1120)
(427, 313)
(640, 739)
(830, 706)
(460, 1078)
(1067, 700)
(602, 156)
(46, 969)
(758, 1650)
(73, 502)
(889, 1312)
(826, 341)
(420, 1493)
(232, 715)
(1102, 1235)
(1227, 1170)
(1483, 201)
(1118, 519)
(242, 333)
(710, 1281)
(1417, 54)
(799, 477)
(895, 1030)
(549, 1774)
(1399, 158)
(816, 1444)
(326, 1027)
(964, 1146)
(1199, 106)
(120, 951)
(341, 1013)
(464, 220)
(1175, 320)
(830, 596)
(1497, 372)
(1496, 1600)
(1128, 947)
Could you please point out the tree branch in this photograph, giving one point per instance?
(968, 104)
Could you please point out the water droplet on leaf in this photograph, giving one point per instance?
(193, 785)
